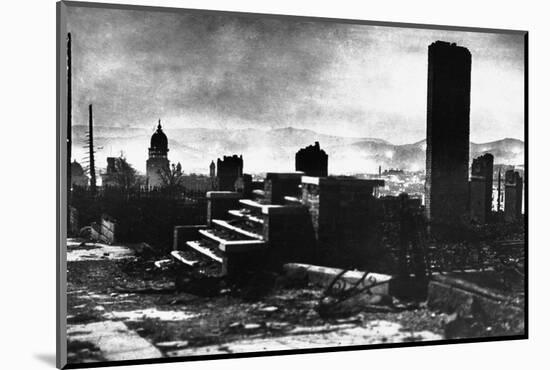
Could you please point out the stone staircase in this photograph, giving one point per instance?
(235, 239)
(328, 221)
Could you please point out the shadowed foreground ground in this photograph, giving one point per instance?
(121, 307)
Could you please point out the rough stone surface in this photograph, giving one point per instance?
(374, 332)
(115, 341)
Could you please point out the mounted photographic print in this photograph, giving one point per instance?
(234, 183)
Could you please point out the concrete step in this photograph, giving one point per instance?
(198, 260)
(244, 214)
(221, 236)
(234, 246)
(292, 200)
(252, 205)
(257, 207)
(239, 229)
(183, 258)
(207, 250)
(258, 193)
(243, 246)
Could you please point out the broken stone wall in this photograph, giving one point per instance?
(243, 185)
(478, 200)
(279, 185)
(481, 188)
(219, 202)
(229, 170)
(141, 216)
(289, 232)
(312, 161)
(513, 196)
(344, 216)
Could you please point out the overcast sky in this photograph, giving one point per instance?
(220, 71)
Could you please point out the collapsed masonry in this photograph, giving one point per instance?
(321, 220)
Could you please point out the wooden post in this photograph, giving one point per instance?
(69, 116)
(498, 193)
(91, 148)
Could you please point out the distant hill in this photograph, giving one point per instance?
(274, 149)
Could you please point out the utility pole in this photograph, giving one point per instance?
(91, 148)
(69, 117)
(498, 193)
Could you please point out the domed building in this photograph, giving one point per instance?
(158, 158)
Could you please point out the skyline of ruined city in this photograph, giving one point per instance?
(366, 186)
(230, 72)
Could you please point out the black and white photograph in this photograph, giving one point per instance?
(240, 183)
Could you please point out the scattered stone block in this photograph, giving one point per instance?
(323, 276)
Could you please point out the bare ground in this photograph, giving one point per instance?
(103, 288)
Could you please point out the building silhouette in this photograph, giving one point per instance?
(312, 161)
(481, 188)
(110, 177)
(197, 182)
(448, 132)
(229, 170)
(158, 158)
(212, 169)
(78, 176)
(513, 191)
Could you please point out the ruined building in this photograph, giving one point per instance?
(158, 158)
(343, 213)
(481, 188)
(78, 177)
(312, 161)
(330, 221)
(229, 170)
(512, 196)
(448, 132)
(110, 177)
(197, 182)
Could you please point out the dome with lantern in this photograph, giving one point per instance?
(159, 143)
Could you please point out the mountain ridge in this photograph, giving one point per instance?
(274, 149)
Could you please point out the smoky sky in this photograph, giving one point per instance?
(229, 71)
